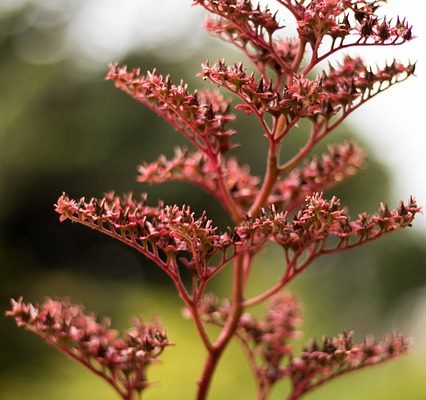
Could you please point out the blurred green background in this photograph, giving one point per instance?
(62, 127)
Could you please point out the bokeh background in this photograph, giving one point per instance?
(62, 127)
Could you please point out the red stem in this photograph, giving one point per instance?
(303, 152)
(240, 266)
(269, 181)
(299, 56)
(289, 274)
(229, 202)
(229, 329)
(200, 327)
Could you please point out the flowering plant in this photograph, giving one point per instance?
(286, 207)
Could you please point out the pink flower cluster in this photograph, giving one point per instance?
(164, 232)
(341, 89)
(343, 18)
(289, 193)
(256, 31)
(121, 360)
(268, 344)
(200, 116)
(303, 98)
(353, 82)
(267, 340)
(243, 13)
(318, 363)
(318, 174)
(247, 26)
(320, 219)
(194, 167)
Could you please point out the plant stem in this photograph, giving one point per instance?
(269, 181)
(229, 329)
(299, 57)
(200, 327)
(303, 152)
(229, 202)
(293, 396)
(209, 368)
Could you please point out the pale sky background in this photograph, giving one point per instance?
(104, 30)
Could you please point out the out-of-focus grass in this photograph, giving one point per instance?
(53, 377)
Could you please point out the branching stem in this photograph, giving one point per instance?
(269, 181)
(228, 331)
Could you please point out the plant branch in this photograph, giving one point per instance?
(200, 327)
(229, 202)
(229, 329)
(290, 272)
(268, 182)
(303, 152)
(299, 56)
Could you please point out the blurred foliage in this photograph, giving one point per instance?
(65, 128)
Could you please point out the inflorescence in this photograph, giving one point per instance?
(286, 207)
